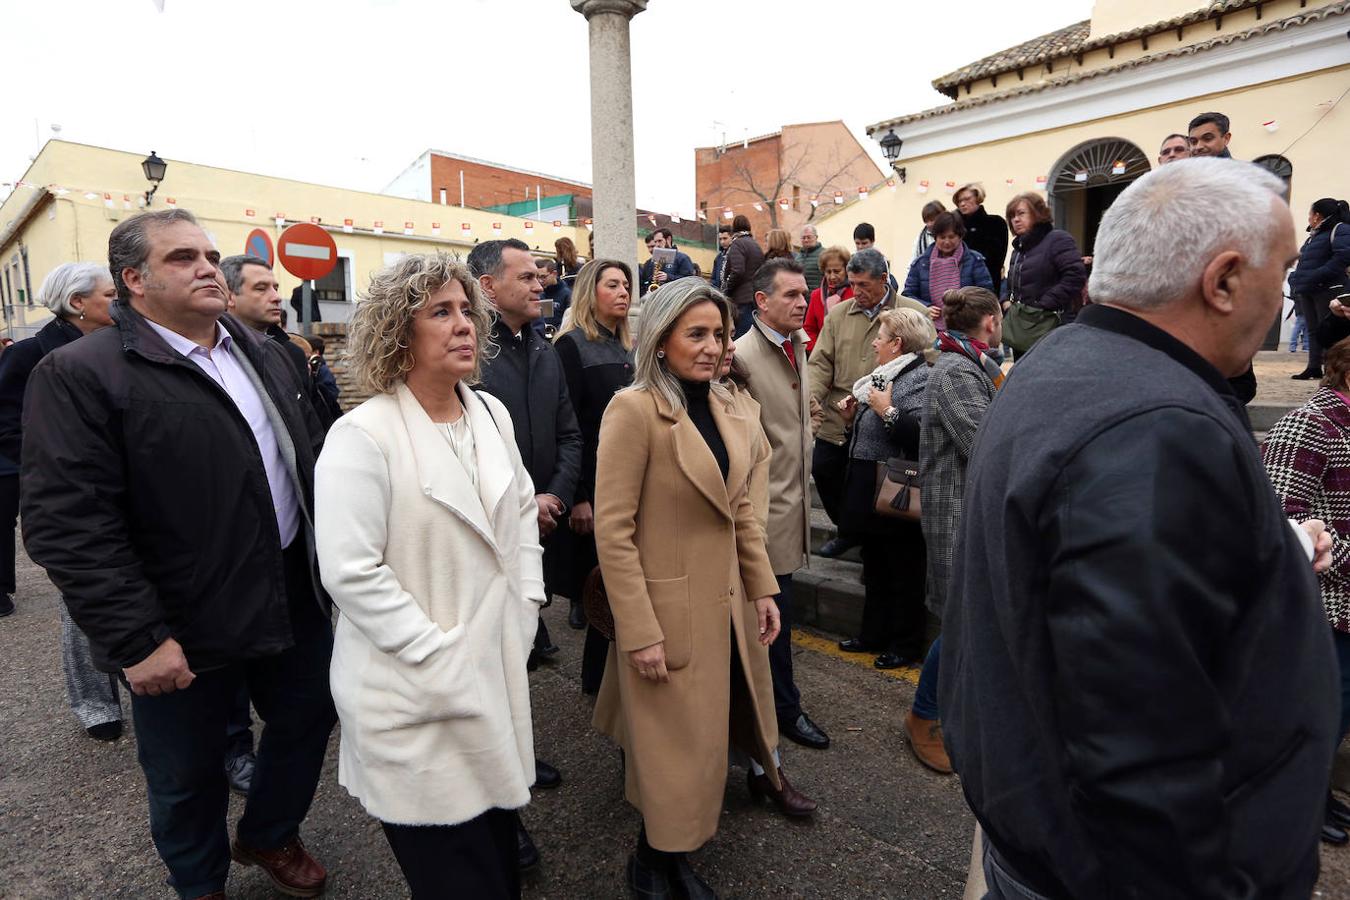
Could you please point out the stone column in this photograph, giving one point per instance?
(612, 129)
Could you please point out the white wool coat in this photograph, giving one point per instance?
(439, 588)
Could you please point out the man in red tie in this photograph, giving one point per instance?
(769, 361)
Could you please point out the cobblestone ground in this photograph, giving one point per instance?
(73, 815)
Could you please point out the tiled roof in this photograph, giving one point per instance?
(1312, 15)
(1073, 40)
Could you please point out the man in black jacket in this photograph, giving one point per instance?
(167, 489)
(254, 299)
(527, 376)
(1138, 685)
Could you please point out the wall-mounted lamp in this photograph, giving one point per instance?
(154, 169)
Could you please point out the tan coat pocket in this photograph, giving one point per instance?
(670, 603)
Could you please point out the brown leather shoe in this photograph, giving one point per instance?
(925, 739)
(292, 870)
(789, 800)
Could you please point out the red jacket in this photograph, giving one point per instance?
(815, 313)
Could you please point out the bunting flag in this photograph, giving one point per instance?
(407, 228)
(784, 203)
(529, 226)
(168, 200)
(465, 230)
(590, 225)
(758, 208)
(676, 220)
(496, 229)
(280, 220)
(703, 215)
(728, 214)
(108, 201)
(890, 183)
(249, 214)
(862, 193)
(315, 220)
(347, 226)
(815, 202)
(922, 188)
(379, 227)
(557, 225)
(435, 229)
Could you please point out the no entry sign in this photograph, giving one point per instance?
(259, 244)
(307, 251)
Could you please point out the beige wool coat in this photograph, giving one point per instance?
(439, 587)
(683, 559)
(781, 392)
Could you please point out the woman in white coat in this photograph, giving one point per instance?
(428, 543)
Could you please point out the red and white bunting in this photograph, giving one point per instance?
(407, 228)
(108, 201)
(1010, 181)
(280, 220)
(465, 229)
(348, 226)
(890, 183)
(90, 195)
(126, 201)
(315, 220)
(529, 226)
(862, 193)
(496, 229)
(1041, 179)
(728, 214)
(703, 215)
(249, 213)
(784, 203)
(815, 202)
(1118, 168)
(839, 198)
(557, 225)
(379, 227)
(590, 224)
(758, 208)
(435, 229)
(170, 201)
(951, 184)
(675, 220)
(652, 219)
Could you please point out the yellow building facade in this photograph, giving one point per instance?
(73, 195)
(1080, 113)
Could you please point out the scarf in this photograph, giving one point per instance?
(862, 388)
(980, 353)
(944, 274)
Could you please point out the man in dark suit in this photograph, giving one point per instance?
(650, 276)
(527, 376)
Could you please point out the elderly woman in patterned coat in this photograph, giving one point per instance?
(1307, 455)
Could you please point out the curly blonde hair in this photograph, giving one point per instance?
(379, 351)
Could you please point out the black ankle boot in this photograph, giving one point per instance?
(685, 883)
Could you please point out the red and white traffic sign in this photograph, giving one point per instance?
(307, 251)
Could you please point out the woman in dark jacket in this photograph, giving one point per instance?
(1321, 272)
(1046, 275)
(886, 407)
(79, 295)
(985, 234)
(596, 351)
(744, 257)
(949, 264)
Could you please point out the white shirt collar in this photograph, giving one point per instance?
(186, 346)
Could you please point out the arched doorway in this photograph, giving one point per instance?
(1086, 181)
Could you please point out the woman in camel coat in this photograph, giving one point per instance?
(690, 586)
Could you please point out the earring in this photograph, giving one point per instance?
(81, 315)
(660, 354)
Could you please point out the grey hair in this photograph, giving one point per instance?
(811, 228)
(486, 258)
(232, 267)
(660, 313)
(871, 262)
(68, 281)
(914, 329)
(1156, 239)
(129, 244)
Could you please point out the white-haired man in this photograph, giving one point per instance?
(1129, 600)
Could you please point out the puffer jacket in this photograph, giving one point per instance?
(1046, 271)
(1323, 259)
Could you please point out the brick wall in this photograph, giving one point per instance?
(488, 185)
(334, 336)
(720, 178)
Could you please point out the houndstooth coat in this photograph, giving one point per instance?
(954, 402)
(1307, 455)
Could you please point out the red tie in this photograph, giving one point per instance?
(791, 354)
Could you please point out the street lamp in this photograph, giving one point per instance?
(890, 147)
(154, 169)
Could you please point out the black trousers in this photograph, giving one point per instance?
(9, 518)
(893, 589)
(1315, 308)
(477, 858)
(787, 700)
(828, 467)
(181, 739)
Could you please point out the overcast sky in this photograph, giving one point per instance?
(349, 93)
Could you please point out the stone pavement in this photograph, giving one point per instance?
(73, 813)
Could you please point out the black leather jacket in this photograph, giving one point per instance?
(1138, 684)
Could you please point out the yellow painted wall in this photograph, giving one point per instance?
(1318, 158)
(75, 226)
(1114, 16)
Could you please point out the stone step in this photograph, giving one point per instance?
(828, 595)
